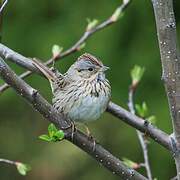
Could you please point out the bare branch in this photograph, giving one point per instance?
(166, 30)
(7, 53)
(3, 4)
(140, 135)
(81, 140)
(140, 124)
(7, 161)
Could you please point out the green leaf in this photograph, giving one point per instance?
(45, 137)
(142, 110)
(136, 74)
(54, 134)
(139, 109)
(91, 24)
(130, 163)
(52, 130)
(151, 119)
(145, 109)
(22, 168)
(56, 50)
(59, 134)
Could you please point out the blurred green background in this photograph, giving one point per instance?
(31, 28)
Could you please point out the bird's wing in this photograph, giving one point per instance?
(55, 78)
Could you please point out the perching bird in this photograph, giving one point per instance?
(83, 92)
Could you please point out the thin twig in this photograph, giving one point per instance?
(167, 38)
(140, 135)
(79, 139)
(156, 134)
(8, 161)
(3, 5)
(5, 53)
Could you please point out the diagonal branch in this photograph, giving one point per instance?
(134, 121)
(166, 30)
(7, 53)
(79, 139)
(3, 4)
(156, 134)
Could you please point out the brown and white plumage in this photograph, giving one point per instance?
(83, 92)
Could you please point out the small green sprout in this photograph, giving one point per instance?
(151, 119)
(126, 1)
(142, 111)
(56, 50)
(117, 15)
(22, 168)
(53, 135)
(136, 74)
(130, 163)
(91, 24)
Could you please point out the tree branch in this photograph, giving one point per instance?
(7, 161)
(81, 140)
(166, 30)
(3, 4)
(140, 124)
(7, 53)
(134, 121)
(140, 135)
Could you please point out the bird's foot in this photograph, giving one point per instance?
(90, 137)
(73, 129)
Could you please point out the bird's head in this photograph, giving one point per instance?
(87, 67)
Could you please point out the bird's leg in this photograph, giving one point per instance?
(54, 69)
(73, 129)
(53, 65)
(87, 131)
(90, 136)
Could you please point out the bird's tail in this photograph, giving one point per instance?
(55, 78)
(50, 75)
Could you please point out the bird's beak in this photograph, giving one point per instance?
(105, 68)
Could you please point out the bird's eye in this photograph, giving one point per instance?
(79, 70)
(90, 69)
